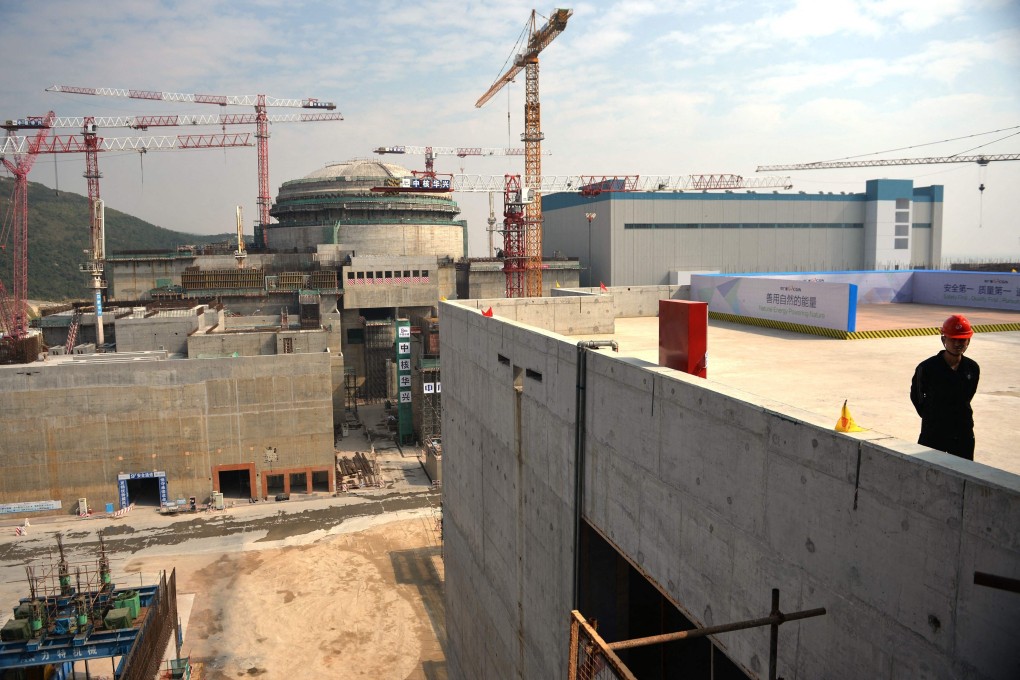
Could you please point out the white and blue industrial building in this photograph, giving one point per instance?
(650, 238)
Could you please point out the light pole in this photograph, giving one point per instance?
(590, 216)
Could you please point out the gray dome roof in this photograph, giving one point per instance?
(360, 168)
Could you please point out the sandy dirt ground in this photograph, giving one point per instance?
(332, 587)
(359, 605)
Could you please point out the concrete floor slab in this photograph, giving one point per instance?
(817, 374)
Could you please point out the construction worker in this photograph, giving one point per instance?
(942, 388)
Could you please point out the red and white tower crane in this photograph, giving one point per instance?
(259, 101)
(90, 144)
(15, 226)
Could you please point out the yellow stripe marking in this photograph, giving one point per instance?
(856, 335)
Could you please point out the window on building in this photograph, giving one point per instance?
(369, 275)
(288, 345)
(417, 273)
(903, 204)
(425, 273)
(361, 276)
(903, 230)
(389, 275)
(903, 216)
(407, 273)
(902, 243)
(378, 275)
(350, 276)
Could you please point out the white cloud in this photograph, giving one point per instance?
(629, 87)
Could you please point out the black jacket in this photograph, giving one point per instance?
(942, 397)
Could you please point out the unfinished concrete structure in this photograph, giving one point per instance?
(484, 277)
(647, 238)
(106, 425)
(653, 501)
(342, 257)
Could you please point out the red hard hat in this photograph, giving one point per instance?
(957, 326)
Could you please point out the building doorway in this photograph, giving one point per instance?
(320, 481)
(235, 481)
(274, 485)
(142, 488)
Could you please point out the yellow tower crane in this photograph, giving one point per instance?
(538, 39)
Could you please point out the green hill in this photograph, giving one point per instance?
(58, 232)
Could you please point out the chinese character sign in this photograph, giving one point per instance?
(403, 358)
(823, 304)
(987, 290)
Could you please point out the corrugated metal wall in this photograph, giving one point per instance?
(643, 240)
(733, 236)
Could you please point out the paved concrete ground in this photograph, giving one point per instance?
(817, 374)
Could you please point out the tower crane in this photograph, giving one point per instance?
(259, 101)
(90, 143)
(528, 223)
(982, 160)
(15, 226)
(430, 152)
(589, 185)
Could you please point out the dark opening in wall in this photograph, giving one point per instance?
(534, 375)
(502, 359)
(628, 606)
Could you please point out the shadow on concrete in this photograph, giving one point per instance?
(417, 567)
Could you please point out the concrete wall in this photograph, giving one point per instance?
(717, 497)
(247, 344)
(405, 240)
(157, 332)
(71, 428)
(478, 279)
(567, 314)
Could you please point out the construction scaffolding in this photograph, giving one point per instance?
(592, 658)
(193, 278)
(428, 400)
(350, 393)
(379, 339)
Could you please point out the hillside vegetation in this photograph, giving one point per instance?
(58, 232)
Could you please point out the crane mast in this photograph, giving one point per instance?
(538, 40)
(12, 306)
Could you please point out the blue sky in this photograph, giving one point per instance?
(670, 88)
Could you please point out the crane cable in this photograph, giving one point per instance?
(982, 171)
(953, 139)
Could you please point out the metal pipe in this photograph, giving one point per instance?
(712, 630)
(774, 635)
(579, 436)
